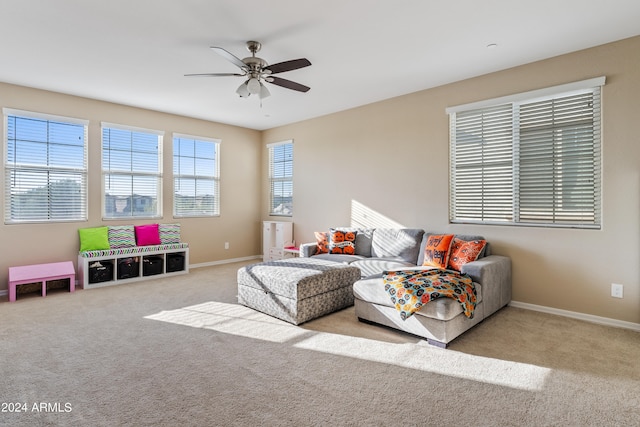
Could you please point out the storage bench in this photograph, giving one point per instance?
(297, 290)
(41, 273)
(110, 255)
(115, 266)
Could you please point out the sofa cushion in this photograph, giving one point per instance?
(371, 289)
(364, 239)
(342, 241)
(397, 242)
(437, 250)
(463, 252)
(342, 258)
(374, 266)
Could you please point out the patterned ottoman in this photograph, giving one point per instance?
(297, 289)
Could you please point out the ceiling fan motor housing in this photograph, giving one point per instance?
(255, 64)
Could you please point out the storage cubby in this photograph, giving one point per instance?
(95, 272)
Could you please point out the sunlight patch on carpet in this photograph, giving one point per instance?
(424, 357)
(242, 321)
(231, 319)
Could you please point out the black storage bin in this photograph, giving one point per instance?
(175, 262)
(128, 267)
(101, 271)
(151, 265)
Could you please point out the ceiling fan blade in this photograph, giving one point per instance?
(229, 57)
(294, 64)
(213, 75)
(287, 84)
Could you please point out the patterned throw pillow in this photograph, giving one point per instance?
(322, 242)
(436, 252)
(342, 241)
(169, 233)
(121, 236)
(463, 251)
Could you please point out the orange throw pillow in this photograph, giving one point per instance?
(436, 252)
(322, 242)
(463, 251)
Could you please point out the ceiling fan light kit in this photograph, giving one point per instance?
(257, 71)
(253, 87)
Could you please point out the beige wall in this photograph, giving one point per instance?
(240, 155)
(387, 163)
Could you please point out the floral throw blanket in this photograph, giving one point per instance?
(411, 289)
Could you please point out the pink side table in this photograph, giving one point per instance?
(41, 273)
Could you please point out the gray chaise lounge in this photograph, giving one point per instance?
(439, 321)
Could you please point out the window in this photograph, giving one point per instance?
(131, 172)
(196, 176)
(531, 159)
(281, 178)
(45, 168)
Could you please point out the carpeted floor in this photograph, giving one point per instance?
(180, 351)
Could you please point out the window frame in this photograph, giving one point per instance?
(215, 176)
(158, 175)
(280, 180)
(82, 171)
(495, 181)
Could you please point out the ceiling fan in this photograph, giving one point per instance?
(257, 70)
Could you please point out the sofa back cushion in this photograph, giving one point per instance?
(397, 242)
(364, 239)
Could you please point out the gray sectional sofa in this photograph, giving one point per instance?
(439, 321)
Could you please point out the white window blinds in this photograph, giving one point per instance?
(482, 165)
(196, 176)
(281, 178)
(131, 172)
(45, 168)
(534, 160)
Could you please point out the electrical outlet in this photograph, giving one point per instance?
(226, 245)
(616, 290)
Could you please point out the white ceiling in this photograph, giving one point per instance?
(135, 52)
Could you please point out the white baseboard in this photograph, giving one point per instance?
(580, 316)
(224, 261)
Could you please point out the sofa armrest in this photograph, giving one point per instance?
(308, 249)
(493, 272)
